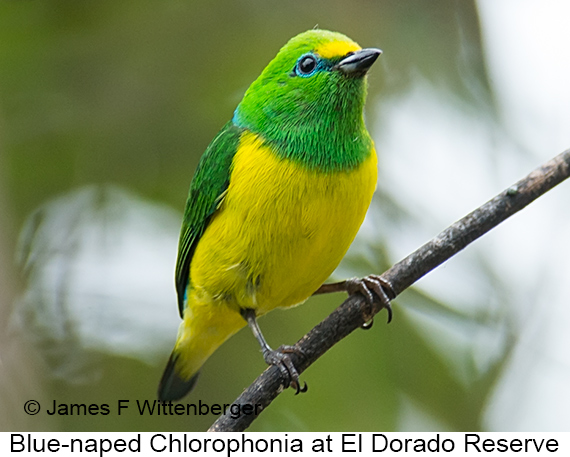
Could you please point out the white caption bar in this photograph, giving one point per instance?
(275, 444)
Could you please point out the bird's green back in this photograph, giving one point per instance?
(206, 191)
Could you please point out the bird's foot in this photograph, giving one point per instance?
(372, 287)
(282, 360)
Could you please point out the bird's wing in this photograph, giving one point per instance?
(207, 190)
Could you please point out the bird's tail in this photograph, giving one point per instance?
(173, 386)
(206, 325)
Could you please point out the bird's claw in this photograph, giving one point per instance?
(282, 360)
(299, 389)
(371, 286)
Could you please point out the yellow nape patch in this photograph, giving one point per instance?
(333, 49)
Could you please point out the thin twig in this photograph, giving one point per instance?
(355, 311)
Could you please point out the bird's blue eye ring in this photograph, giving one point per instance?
(306, 65)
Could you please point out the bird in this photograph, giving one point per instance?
(275, 202)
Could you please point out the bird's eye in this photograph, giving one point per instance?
(306, 65)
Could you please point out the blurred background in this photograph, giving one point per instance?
(105, 109)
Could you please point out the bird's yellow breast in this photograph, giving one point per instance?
(280, 229)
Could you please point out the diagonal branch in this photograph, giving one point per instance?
(355, 311)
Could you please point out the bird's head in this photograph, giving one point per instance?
(317, 80)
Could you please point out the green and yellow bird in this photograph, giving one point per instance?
(276, 201)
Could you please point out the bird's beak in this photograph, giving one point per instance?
(359, 62)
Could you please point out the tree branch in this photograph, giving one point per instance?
(355, 311)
